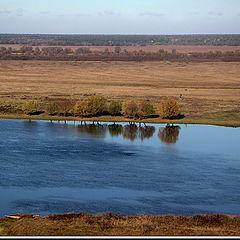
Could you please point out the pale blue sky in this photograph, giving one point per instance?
(120, 16)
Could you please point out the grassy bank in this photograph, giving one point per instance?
(230, 120)
(108, 224)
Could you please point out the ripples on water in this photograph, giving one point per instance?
(54, 167)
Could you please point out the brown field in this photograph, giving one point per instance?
(114, 225)
(206, 88)
(148, 48)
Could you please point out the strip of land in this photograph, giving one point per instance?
(120, 119)
(147, 48)
(208, 93)
(108, 224)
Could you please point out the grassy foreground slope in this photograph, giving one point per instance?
(108, 224)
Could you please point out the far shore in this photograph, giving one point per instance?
(118, 119)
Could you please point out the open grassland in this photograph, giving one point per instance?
(207, 92)
(114, 225)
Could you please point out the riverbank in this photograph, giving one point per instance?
(108, 224)
(216, 120)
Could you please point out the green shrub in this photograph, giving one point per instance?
(9, 107)
(96, 105)
(53, 108)
(142, 109)
(145, 109)
(30, 107)
(130, 109)
(66, 107)
(115, 108)
(169, 108)
(81, 108)
(92, 106)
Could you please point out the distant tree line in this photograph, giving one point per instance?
(119, 40)
(118, 54)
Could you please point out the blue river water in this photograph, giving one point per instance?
(52, 167)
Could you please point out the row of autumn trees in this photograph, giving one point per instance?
(98, 105)
(118, 54)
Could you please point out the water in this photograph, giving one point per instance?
(48, 168)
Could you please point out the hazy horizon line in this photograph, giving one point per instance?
(128, 34)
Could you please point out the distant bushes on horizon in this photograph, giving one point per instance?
(120, 40)
(117, 54)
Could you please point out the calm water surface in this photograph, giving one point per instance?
(48, 168)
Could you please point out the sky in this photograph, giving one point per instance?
(120, 16)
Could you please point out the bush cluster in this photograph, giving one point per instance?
(133, 109)
(30, 107)
(94, 105)
(115, 108)
(97, 105)
(169, 108)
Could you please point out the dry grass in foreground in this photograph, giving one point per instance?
(108, 224)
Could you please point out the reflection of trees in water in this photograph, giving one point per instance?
(146, 132)
(115, 129)
(96, 130)
(30, 123)
(169, 134)
(130, 131)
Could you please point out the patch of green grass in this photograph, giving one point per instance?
(223, 116)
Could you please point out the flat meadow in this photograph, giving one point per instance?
(204, 90)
